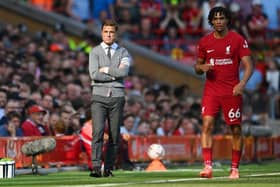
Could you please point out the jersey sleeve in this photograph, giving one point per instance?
(200, 50)
(244, 48)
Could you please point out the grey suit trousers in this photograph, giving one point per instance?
(106, 109)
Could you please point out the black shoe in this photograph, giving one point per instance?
(108, 173)
(96, 172)
(127, 166)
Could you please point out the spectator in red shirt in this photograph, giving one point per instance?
(151, 9)
(167, 127)
(186, 126)
(257, 22)
(192, 17)
(146, 37)
(32, 125)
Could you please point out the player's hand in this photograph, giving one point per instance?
(206, 67)
(238, 89)
(126, 137)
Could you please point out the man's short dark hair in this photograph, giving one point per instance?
(110, 22)
(219, 9)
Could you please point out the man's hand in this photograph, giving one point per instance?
(104, 70)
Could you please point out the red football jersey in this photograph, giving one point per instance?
(224, 54)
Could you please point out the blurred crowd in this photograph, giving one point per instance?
(45, 90)
(44, 80)
(171, 27)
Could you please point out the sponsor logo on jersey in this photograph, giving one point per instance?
(212, 61)
(228, 50)
(223, 61)
(245, 45)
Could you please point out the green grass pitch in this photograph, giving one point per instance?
(266, 174)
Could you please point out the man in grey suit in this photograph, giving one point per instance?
(108, 66)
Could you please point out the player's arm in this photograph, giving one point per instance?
(248, 70)
(200, 67)
(197, 66)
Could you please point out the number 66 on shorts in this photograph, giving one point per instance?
(231, 107)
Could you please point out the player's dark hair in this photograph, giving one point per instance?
(219, 9)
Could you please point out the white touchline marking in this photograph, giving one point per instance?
(264, 174)
(171, 180)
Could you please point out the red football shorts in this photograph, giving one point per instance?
(231, 107)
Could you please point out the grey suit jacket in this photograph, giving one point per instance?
(109, 84)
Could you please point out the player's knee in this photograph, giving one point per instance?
(207, 128)
(236, 131)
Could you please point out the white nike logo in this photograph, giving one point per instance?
(210, 51)
(231, 120)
